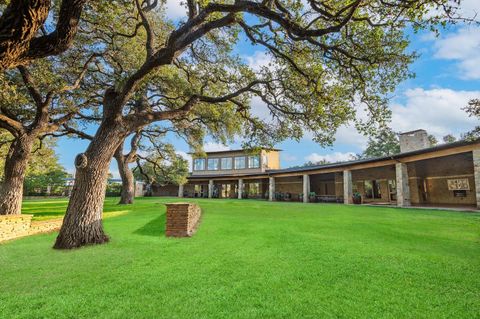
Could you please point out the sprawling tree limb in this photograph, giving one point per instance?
(20, 23)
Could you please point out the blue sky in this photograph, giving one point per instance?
(447, 76)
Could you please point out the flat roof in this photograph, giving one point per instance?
(343, 164)
(238, 150)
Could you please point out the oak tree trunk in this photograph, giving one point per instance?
(11, 190)
(128, 186)
(82, 224)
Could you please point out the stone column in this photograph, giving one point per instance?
(240, 188)
(271, 188)
(476, 173)
(180, 190)
(210, 188)
(403, 187)
(306, 187)
(347, 187)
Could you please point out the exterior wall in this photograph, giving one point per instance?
(292, 185)
(339, 185)
(413, 141)
(268, 160)
(167, 190)
(323, 184)
(428, 180)
(273, 159)
(476, 173)
(438, 193)
(182, 219)
(139, 189)
(14, 226)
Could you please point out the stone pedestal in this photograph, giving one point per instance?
(403, 188)
(476, 173)
(271, 188)
(182, 219)
(306, 187)
(347, 187)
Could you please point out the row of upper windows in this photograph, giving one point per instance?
(225, 163)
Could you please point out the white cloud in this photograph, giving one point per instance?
(331, 158)
(462, 46)
(439, 111)
(348, 134)
(258, 60)
(175, 9)
(260, 109)
(215, 147)
(469, 8)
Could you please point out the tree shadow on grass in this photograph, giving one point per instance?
(155, 227)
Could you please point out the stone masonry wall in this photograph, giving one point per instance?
(14, 226)
(45, 226)
(182, 219)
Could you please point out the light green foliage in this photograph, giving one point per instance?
(253, 259)
(384, 143)
(314, 84)
(473, 110)
(162, 166)
(449, 138)
(432, 139)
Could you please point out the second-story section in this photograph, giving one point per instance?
(236, 162)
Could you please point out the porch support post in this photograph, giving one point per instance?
(306, 187)
(271, 188)
(347, 187)
(403, 188)
(476, 173)
(240, 188)
(180, 190)
(210, 188)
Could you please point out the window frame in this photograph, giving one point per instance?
(195, 162)
(244, 162)
(222, 162)
(250, 157)
(217, 166)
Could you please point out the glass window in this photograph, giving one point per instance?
(254, 190)
(254, 161)
(199, 164)
(372, 189)
(240, 162)
(212, 164)
(227, 163)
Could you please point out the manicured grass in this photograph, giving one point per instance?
(251, 259)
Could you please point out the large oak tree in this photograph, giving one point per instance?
(328, 59)
(35, 102)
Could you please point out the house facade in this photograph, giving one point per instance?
(447, 175)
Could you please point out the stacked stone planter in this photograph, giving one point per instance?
(182, 219)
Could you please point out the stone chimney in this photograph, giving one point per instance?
(414, 141)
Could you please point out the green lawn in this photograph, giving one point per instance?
(251, 259)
